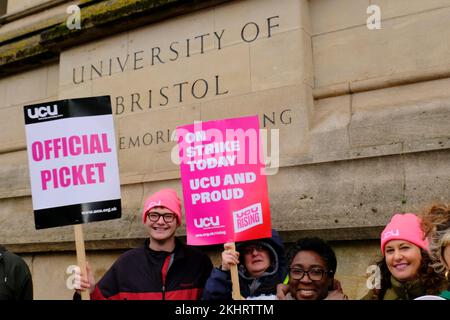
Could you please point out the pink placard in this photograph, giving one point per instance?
(224, 186)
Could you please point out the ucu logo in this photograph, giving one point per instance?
(391, 233)
(251, 210)
(207, 222)
(42, 112)
(154, 204)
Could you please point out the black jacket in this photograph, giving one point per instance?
(15, 277)
(144, 274)
(218, 286)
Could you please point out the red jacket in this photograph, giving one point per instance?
(144, 274)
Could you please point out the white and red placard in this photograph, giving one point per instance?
(72, 159)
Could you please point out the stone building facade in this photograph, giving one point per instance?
(361, 106)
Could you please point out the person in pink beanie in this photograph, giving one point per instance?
(404, 271)
(165, 198)
(163, 268)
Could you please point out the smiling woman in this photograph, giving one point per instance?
(403, 259)
(312, 265)
(405, 268)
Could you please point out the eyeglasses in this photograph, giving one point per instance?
(249, 249)
(154, 217)
(315, 274)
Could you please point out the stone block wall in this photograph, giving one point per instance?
(362, 115)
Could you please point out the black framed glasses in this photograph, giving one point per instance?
(249, 249)
(154, 217)
(314, 274)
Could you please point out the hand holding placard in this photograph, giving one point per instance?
(236, 291)
(81, 255)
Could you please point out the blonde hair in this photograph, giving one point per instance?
(436, 226)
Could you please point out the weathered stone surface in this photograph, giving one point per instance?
(39, 85)
(305, 16)
(176, 84)
(358, 193)
(398, 123)
(16, 221)
(53, 285)
(353, 259)
(52, 80)
(234, 65)
(102, 49)
(329, 130)
(98, 19)
(13, 127)
(282, 60)
(427, 177)
(82, 90)
(402, 45)
(144, 143)
(432, 144)
(37, 21)
(390, 9)
(332, 90)
(3, 91)
(398, 95)
(330, 15)
(285, 109)
(14, 174)
(292, 15)
(18, 5)
(188, 26)
(412, 114)
(25, 87)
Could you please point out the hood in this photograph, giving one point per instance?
(276, 249)
(2, 252)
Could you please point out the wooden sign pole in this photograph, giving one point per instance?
(236, 290)
(81, 255)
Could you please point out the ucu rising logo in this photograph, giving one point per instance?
(391, 233)
(207, 222)
(43, 112)
(247, 218)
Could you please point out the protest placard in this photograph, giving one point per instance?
(72, 161)
(224, 188)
